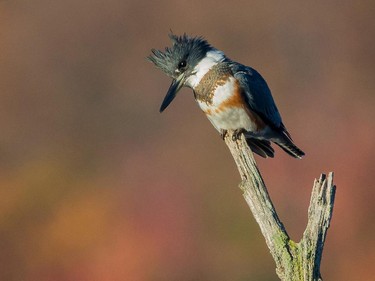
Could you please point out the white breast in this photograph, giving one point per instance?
(225, 114)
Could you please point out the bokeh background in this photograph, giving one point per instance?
(95, 184)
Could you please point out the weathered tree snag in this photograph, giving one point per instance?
(294, 261)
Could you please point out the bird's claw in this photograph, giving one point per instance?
(223, 133)
(237, 134)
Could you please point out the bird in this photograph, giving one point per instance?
(233, 96)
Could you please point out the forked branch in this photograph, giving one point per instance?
(294, 261)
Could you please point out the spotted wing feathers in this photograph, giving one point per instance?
(259, 99)
(257, 94)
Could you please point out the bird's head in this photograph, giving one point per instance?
(180, 62)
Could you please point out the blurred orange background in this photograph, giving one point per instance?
(95, 184)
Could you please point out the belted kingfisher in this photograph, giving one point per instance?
(233, 96)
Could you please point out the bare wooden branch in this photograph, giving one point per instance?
(294, 261)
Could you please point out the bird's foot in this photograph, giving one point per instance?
(223, 133)
(237, 134)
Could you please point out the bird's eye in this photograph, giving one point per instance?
(182, 64)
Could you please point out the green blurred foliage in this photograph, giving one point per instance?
(95, 184)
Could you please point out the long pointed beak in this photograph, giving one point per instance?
(172, 92)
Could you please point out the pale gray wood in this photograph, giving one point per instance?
(294, 261)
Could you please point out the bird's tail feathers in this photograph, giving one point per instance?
(261, 147)
(285, 141)
(290, 148)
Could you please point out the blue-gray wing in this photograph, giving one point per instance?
(257, 94)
